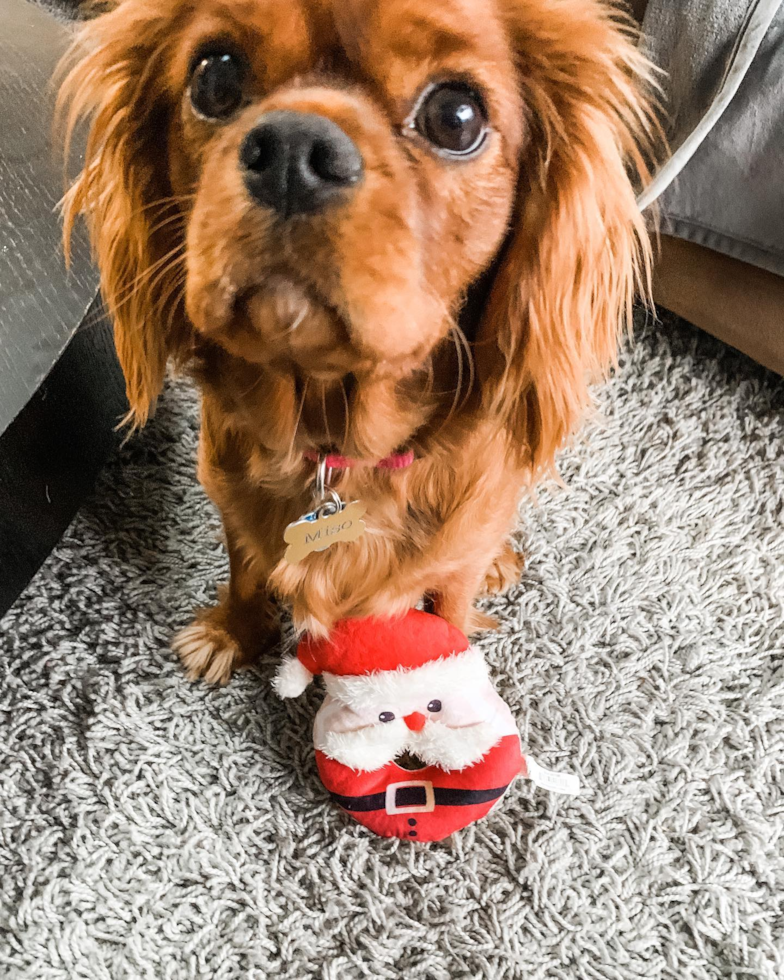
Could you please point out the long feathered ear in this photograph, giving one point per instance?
(578, 248)
(113, 81)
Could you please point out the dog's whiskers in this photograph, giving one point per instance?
(297, 320)
(145, 278)
(170, 220)
(254, 386)
(163, 203)
(459, 385)
(458, 330)
(324, 411)
(346, 420)
(299, 416)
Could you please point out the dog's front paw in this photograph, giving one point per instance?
(207, 651)
(504, 572)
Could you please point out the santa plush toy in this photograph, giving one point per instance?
(410, 688)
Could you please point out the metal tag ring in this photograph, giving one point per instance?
(330, 506)
(323, 476)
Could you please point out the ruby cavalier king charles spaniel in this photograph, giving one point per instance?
(398, 234)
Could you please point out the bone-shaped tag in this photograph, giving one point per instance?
(314, 533)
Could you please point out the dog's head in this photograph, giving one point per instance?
(311, 187)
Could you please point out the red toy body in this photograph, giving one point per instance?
(425, 804)
(415, 687)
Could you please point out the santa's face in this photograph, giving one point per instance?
(447, 713)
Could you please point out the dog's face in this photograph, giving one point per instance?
(352, 167)
(311, 187)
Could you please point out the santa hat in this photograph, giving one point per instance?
(362, 647)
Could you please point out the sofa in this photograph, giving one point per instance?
(719, 193)
(61, 389)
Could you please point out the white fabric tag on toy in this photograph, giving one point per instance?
(554, 782)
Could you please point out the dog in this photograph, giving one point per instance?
(400, 232)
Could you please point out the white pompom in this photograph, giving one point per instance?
(292, 678)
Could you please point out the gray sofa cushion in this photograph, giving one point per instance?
(724, 83)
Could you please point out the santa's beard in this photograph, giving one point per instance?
(374, 746)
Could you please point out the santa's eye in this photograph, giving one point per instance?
(434, 706)
(386, 716)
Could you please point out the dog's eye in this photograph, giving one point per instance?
(216, 86)
(434, 706)
(452, 116)
(386, 717)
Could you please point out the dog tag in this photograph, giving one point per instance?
(330, 521)
(318, 530)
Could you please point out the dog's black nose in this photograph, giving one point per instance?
(296, 162)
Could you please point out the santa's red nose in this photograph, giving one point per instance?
(415, 721)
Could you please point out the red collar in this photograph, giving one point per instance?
(397, 461)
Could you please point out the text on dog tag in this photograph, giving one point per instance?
(317, 533)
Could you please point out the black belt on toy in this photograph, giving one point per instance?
(416, 796)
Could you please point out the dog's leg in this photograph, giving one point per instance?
(233, 634)
(454, 601)
(504, 571)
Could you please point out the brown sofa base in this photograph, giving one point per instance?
(736, 302)
(53, 450)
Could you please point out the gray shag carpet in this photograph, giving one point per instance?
(151, 828)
